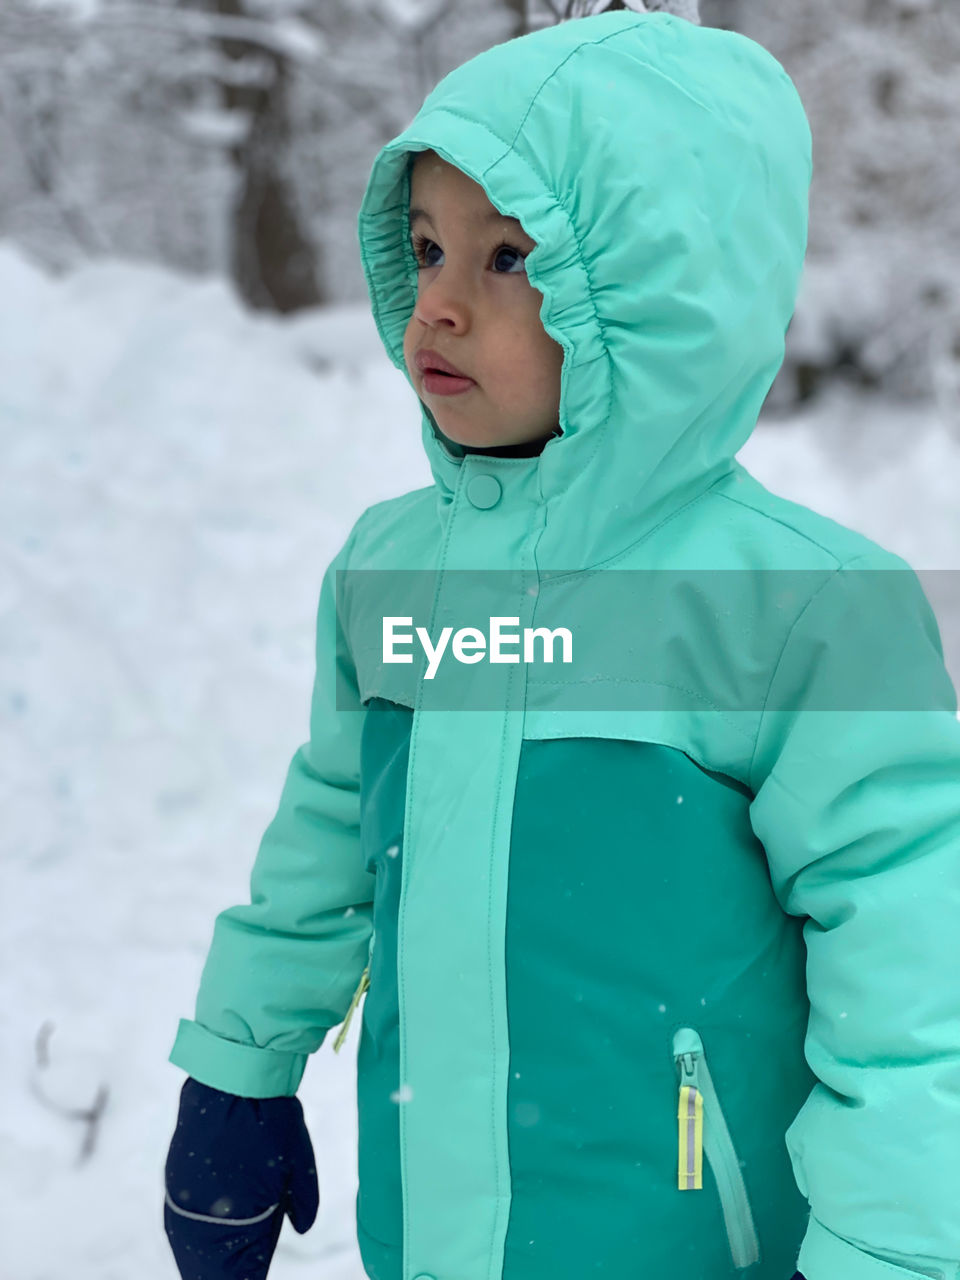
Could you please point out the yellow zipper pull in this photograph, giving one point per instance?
(363, 986)
(690, 1128)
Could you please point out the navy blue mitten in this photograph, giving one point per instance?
(235, 1167)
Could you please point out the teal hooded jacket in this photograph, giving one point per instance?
(660, 944)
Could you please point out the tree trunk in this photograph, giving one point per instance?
(272, 259)
(518, 10)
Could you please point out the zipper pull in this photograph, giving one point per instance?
(690, 1124)
(361, 988)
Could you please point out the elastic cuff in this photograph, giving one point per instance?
(827, 1256)
(243, 1069)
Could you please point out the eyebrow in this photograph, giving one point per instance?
(493, 215)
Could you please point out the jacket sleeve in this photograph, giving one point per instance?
(856, 781)
(282, 968)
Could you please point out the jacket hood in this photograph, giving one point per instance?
(663, 170)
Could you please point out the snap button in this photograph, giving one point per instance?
(484, 492)
(423, 1276)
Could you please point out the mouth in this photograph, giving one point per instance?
(432, 362)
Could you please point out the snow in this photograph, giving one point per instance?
(216, 128)
(79, 9)
(175, 475)
(888, 470)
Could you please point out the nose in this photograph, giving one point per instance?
(442, 301)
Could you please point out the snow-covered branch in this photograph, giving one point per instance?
(564, 10)
(287, 37)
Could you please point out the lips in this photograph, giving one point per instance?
(429, 359)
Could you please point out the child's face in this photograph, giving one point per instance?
(477, 309)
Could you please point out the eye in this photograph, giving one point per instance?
(422, 246)
(518, 256)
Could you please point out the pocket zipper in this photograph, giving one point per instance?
(362, 987)
(701, 1126)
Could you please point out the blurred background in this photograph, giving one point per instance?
(194, 408)
(232, 139)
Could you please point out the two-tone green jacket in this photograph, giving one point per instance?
(660, 945)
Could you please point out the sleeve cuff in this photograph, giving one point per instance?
(243, 1069)
(827, 1256)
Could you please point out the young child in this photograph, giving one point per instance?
(659, 946)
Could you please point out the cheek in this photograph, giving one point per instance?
(409, 344)
(546, 362)
(524, 351)
(537, 353)
(521, 340)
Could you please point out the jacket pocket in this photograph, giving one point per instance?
(702, 1128)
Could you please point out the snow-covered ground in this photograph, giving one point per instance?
(175, 475)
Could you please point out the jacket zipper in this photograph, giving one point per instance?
(362, 987)
(701, 1127)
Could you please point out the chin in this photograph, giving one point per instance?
(478, 438)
